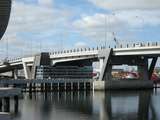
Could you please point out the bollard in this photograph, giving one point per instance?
(68, 87)
(6, 104)
(42, 87)
(16, 103)
(0, 105)
(46, 87)
(30, 88)
(81, 86)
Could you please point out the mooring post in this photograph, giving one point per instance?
(84, 85)
(6, 104)
(58, 86)
(0, 104)
(65, 88)
(78, 86)
(42, 87)
(16, 104)
(34, 87)
(30, 88)
(71, 86)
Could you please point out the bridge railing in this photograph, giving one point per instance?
(140, 44)
(78, 50)
(74, 51)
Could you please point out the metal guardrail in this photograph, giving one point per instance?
(78, 50)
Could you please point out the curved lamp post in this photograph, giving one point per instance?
(5, 8)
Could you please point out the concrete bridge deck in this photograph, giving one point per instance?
(90, 53)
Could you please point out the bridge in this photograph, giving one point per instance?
(107, 57)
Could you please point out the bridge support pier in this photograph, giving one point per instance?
(107, 67)
(101, 61)
(152, 66)
(27, 71)
(0, 104)
(141, 62)
(30, 88)
(15, 74)
(42, 87)
(6, 104)
(143, 69)
(16, 103)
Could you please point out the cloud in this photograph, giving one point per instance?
(29, 17)
(46, 3)
(140, 18)
(81, 45)
(32, 22)
(98, 21)
(100, 27)
(126, 4)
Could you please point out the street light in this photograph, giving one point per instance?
(107, 31)
(105, 35)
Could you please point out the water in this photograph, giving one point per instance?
(122, 105)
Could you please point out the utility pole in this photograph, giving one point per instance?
(105, 32)
(7, 48)
(40, 46)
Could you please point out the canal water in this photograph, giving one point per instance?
(115, 105)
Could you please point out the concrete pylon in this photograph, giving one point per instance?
(27, 71)
(143, 68)
(101, 61)
(107, 67)
(152, 66)
(15, 73)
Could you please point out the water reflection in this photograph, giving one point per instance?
(127, 105)
(133, 105)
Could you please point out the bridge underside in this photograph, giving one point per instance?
(145, 71)
(11, 68)
(42, 61)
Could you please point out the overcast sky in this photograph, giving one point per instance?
(48, 25)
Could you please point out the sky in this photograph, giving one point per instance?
(51, 25)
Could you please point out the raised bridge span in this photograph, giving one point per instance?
(88, 53)
(118, 56)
